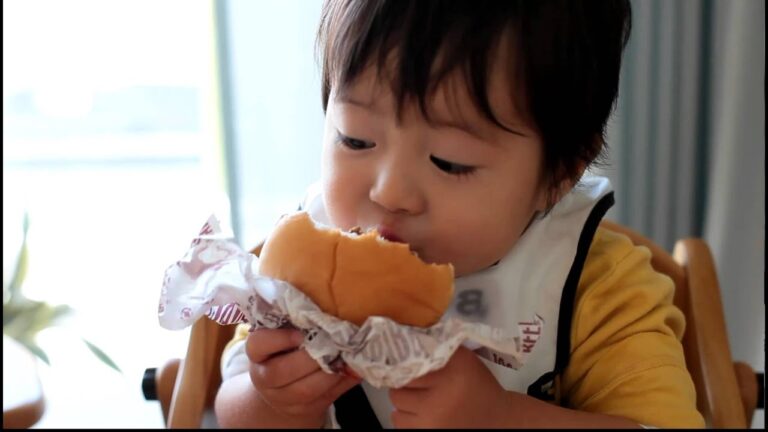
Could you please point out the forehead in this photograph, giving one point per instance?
(448, 98)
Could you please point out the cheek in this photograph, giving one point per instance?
(343, 190)
(478, 235)
(479, 246)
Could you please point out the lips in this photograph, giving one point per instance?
(389, 235)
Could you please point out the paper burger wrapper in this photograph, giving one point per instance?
(218, 279)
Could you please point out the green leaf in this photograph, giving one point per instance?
(36, 350)
(57, 313)
(19, 318)
(102, 356)
(11, 311)
(25, 319)
(44, 316)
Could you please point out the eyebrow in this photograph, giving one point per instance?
(464, 127)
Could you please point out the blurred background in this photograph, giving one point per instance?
(127, 123)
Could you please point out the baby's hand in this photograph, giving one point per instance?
(463, 394)
(288, 379)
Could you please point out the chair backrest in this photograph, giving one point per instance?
(697, 294)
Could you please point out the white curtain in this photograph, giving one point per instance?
(657, 139)
(735, 216)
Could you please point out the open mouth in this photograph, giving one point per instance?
(384, 233)
(388, 235)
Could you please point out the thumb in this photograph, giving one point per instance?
(262, 344)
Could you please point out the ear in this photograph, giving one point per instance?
(554, 193)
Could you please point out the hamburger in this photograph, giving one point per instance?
(354, 274)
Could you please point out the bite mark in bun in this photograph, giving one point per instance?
(355, 275)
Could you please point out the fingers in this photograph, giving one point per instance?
(315, 387)
(423, 382)
(403, 420)
(293, 405)
(348, 371)
(282, 370)
(457, 362)
(303, 391)
(288, 378)
(265, 343)
(405, 399)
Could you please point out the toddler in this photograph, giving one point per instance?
(464, 128)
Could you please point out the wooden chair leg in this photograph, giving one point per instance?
(747, 380)
(165, 380)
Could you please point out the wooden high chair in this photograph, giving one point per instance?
(727, 391)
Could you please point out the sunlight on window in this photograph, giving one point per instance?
(111, 145)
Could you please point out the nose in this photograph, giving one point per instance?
(397, 191)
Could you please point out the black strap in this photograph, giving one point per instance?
(542, 388)
(354, 411)
(572, 282)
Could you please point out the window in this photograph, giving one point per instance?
(111, 143)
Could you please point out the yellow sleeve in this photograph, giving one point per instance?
(241, 332)
(626, 356)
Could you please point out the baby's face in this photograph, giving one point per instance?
(459, 191)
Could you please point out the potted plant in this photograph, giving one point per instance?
(24, 318)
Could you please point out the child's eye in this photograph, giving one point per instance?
(452, 168)
(354, 143)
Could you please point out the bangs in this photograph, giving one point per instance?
(562, 64)
(414, 46)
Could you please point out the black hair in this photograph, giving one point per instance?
(566, 57)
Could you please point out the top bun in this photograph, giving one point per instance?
(355, 276)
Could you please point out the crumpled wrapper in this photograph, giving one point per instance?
(218, 279)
